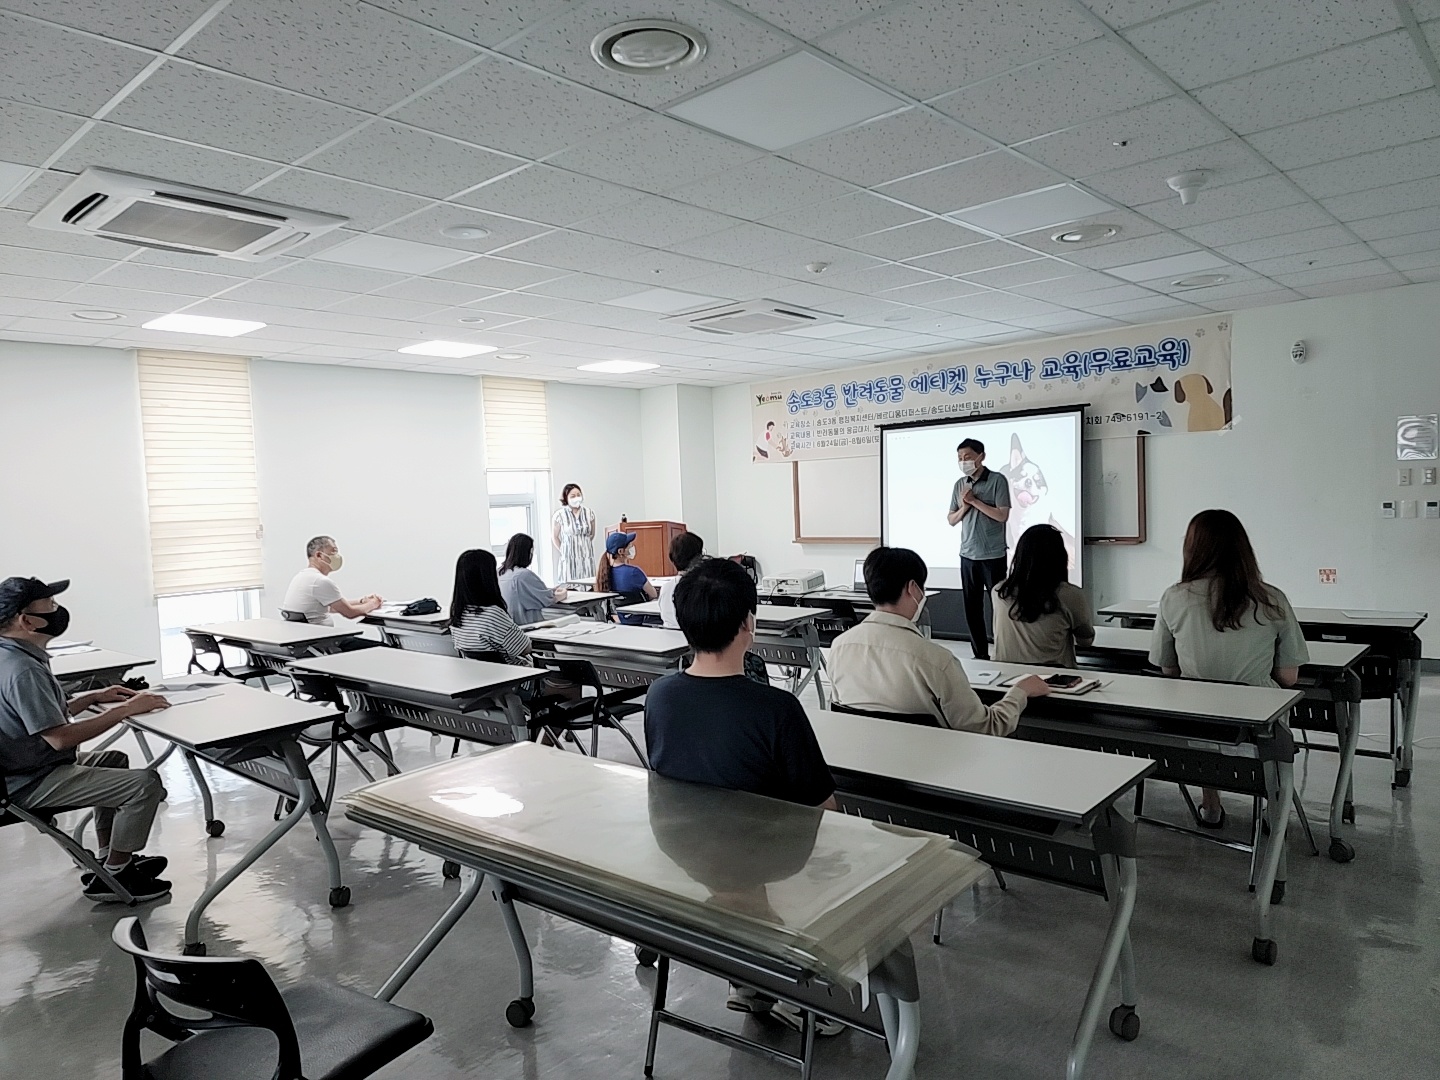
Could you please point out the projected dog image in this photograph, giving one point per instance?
(1029, 498)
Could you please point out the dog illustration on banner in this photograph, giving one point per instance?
(774, 441)
(1203, 412)
(1029, 499)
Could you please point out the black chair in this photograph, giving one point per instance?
(44, 820)
(293, 616)
(918, 719)
(251, 1028)
(625, 600)
(606, 708)
(349, 726)
(208, 645)
(841, 618)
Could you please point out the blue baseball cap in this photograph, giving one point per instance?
(615, 541)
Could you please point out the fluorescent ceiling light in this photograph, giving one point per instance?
(1033, 210)
(619, 367)
(1171, 266)
(203, 324)
(455, 349)
(392, 253)
(12, 178)
(798, 98)
(665, 301)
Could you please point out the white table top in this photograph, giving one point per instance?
(613, 638)
(382, 617)
(581, 599)
(771, 615)
(1335, 655)
(73, 665)
(1307, 616)
(274, 632)
(1053, 781)
(426, 673)
(237, 716)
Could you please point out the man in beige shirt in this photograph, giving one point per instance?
(885, 665)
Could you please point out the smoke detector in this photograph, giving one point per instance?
(648, 47)
(1188, 184)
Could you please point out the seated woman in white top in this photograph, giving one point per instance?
(479, 621)
(686, 551)
(526, 596)
(1039, 616)
(1223, 623)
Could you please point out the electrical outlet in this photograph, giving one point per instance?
(1408, 508)
(1328, 576)
(1402, 477)
(1432, 508)
(1387, 509)
(1429, 474)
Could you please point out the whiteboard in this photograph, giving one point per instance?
(1112, 475)
(837, 500)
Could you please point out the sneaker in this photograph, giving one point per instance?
(149, 865)
(744, 999)
(794, 1019)
(1211, 821)
(141, 886)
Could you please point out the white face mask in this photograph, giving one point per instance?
(967, 468)
(575, 501)
(919, 607)
(336, 560)
(630, 553)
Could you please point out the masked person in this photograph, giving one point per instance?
(885, 665)
(572, 530)
(980, 505)
(315, 596)
(39, 735)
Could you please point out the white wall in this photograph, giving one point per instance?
(695, 410)
(660, 452)
(595, 441)
(1311, 456)
(390, 463)
(73, 486)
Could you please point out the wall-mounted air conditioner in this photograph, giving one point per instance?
(179, 217)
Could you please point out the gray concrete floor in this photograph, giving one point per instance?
(1354, 994)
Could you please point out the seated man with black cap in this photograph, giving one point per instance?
(38, 737)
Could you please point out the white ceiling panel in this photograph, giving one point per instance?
(1407, 244)
(1220, 40)
(367, 207)
(572, 251)
(136, 275)
(335, 276)
(656, 154)
(1130, 225)
(651, 267)
(127, 300)
(408, 159)
(968, 183)
(388, 307)
(761, 188)
(60, 69)
(1091, 80)
(1422, 260)
(1274, 247)
(431, 291)
(1226, 162)
(591, 288)
(743, 245)
(840, 261)
(839, 219)
(1111, 294)
(879, 279)
(920, 238)
(1344, 134)
(1123, 13)
(1353, 75)
(1233, 200)
(1057, 289)
(30, 134)
(1120, 251)
(152, 25)
(478, 105)
(1364, 284)
(928, 293)
(656, 222)
(1253, 226)
(811, 18)
(1321, 274)
(284, 294)
(1341, 255)
(1397, 164)
(485, 22)
(1024, 273)
(929, 46)
(112, 147)
(1385, 225)
(553, 196)
(966, 260)
(1140, 134)
(1392, 199)
(890, 148)
(1171, 266)
(425, 227)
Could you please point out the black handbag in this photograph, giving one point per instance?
(424, 606)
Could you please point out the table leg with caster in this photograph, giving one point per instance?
(213, 825)
(1280, 780)
(309, 798)
(428, 943)
(1348, 714)
(1120, 882)
(521, 1011)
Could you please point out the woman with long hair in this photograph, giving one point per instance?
(479, 619)
(526, 596)
(572, 531)
(1039, 616)
(1221, 622)
(618, 572)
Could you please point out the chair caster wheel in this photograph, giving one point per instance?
(1340, 851)
(340, 896)
(449, 870)
(519, 1012)
(1402, 778)
(1347, 814)
(1124, 1023)
(193, 948)
(215, 828)
(1264, 952)
(645, 957)
(1277, 892)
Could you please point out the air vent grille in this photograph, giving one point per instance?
(757, 317)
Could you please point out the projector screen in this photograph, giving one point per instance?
(1038, 453)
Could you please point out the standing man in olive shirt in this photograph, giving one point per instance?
(980, 505)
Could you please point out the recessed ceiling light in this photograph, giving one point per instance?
(465, 232)
(1200, 281)
(97, 316)
(664, 301)
(1033, 210)
(1082, 234)
(648, 47)
(471, 320)
(1193, 262)
(512, 356)
(203, 324)
(619, 367)
(454, 349)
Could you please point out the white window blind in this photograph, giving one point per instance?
(517, 430)
(200, 472)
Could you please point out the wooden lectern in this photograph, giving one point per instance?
(652, 544)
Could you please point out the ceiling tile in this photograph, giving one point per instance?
(1091, 80)
(185, 261)
(657, 154)
(1219, 40)
(478, 106)
(762, 188)
(16, 230)
(1407, 244)
(153, 25)
(1354, 75)
(1370, 283)
(405, 159)
(573, 251)
(553, 196)
(873, 279)
(1147, 131)
(214, 109)
(1122, 13)
(842, 219)
(932, 292)
(1422, 260)
(1044, 208)
(656, 222)
(920, 238)
(734, 44)
(134, 275)
(1111, 294)
(969, 183)
(1381, 167)
(1121, 252)
(1312, 260)
(966, 260)
(30, 134)
(840, 261)
(930, 46)
(1057, 289)
(735, 283)
(40, 190)
(366, 207)
(1025, 273)
(658, 267)
(1322, 274)
(1398, 120)
(1170, 266)
(45, 65)
(328, 275)
(1274, 247)
(393, 254)
(588, 287)
(889, 148)
(111, 147)
(1154, 308)
(425, 227)
(1130, 225)
(811, 18)
(113, 299)
(1231, 200)
(389, 307)
(1385, 225)
(485, 22)
(351, 54)
(284, 294)
(1226, 162)
(999, 306)
(430, 291)
(52, 264)
(1392, 199)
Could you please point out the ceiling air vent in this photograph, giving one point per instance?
(178, 217)
(756, 317)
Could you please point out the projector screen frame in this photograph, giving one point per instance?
(1052, 410)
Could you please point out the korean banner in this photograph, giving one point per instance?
(1144, 380)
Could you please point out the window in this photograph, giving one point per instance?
(519, 503)
(517, 465)
(178, 612)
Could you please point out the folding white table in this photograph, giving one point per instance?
(272, 643)
(94, 669)
(626, 657)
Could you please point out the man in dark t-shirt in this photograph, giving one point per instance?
(712, 725)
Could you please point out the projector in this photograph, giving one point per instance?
(793, 583)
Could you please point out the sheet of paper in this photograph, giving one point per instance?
(1381, 616)
(69, 645)
(189, 697)
(73, 650)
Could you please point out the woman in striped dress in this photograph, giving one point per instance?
(573, 533)
(479, 621)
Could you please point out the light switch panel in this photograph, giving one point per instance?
(1429, 474)
(1387, 509)
(1402, 477)
(1408, 508)
(1432, 508)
